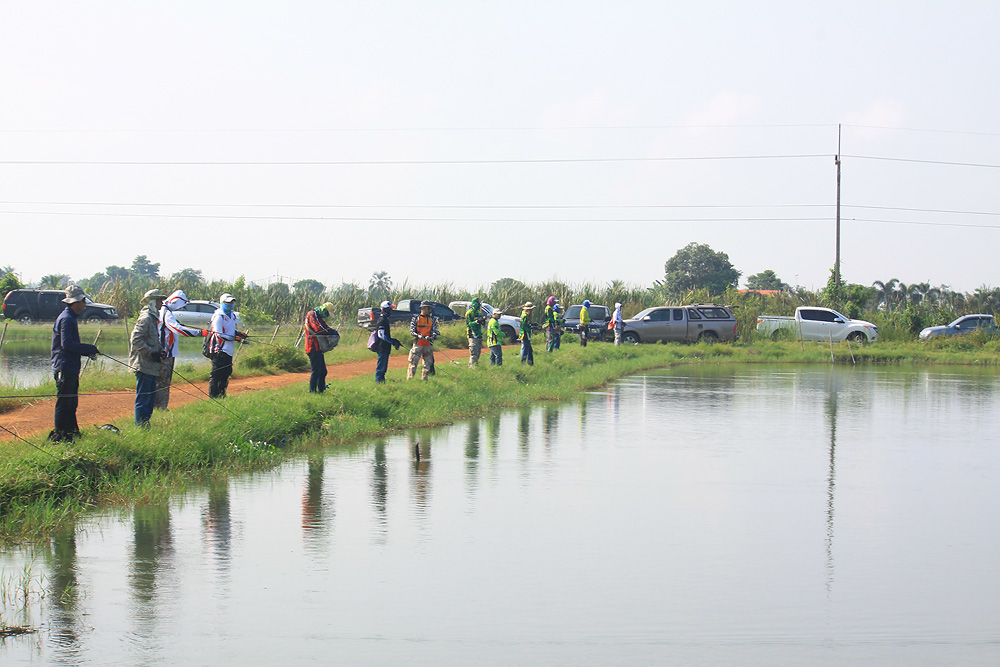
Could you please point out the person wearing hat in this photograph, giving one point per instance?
(171, 332)
(145, 354)
(474, 329)
(549, 323)
(494, 338)
(223, 334)
(584, 322)
(385, 340)
(316, 326)
(527, 354)
(617, 323)
(66, 352)
(560, 322)
(424, 329)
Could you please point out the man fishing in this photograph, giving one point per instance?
(145, 354)
(424, 329)
(316, 326)
(385, 341)
(171, 332)
(66, 352)
(224, 334)
(474, 329)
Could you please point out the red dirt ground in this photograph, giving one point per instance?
(100, 409)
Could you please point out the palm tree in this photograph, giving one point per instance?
(54, 281)
(884, 292)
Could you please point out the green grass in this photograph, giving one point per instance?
(45, 486)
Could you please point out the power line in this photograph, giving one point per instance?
(918, 129)
(924, 223)
(940, 162)
(512, 128)
(335, 163)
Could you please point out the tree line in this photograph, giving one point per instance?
(695, 274)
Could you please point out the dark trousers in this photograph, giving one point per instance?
(527, 354)
(496, 355)
(382, 365)
(222, 368)
(145, 397)
(67, 388)
(317, 366)
(583, 335)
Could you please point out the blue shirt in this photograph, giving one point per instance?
(66, 346)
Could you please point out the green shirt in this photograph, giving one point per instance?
(475, 329)
(493, 333)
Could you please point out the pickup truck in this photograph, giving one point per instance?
(818, 324)
(404, 311)
(509, 324)
(698, 322)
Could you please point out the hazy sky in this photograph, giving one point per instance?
(462, 142)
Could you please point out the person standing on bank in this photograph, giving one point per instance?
(549, 323)
(66, 352)
(145, 354)
(584, 322)
(316, 326)
(224, 333)
(494, 338)
(527, 354)
(424, 329)
(474, 328)
(617, 323)
(560, 322)
(385, 341)
(171, 332)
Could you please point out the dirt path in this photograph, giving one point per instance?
(103, 408)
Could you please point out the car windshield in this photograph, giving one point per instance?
(641, 314)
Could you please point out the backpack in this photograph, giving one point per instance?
(206, 348)
(326, 342)
(373, 341)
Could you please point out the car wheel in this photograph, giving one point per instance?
(708, 337)
(858, 337)
(509, 334)
(631, 337)
(23, 317)
(90, 319)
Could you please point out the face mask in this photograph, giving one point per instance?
(227, 308)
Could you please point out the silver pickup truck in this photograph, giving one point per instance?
(698, 322)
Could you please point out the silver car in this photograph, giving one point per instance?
(963, 325)
(198, 315)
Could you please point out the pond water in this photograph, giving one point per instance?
(26, 364)
(710, 516)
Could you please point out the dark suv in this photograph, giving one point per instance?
(39, 305)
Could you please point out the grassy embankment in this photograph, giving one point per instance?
(39, 487)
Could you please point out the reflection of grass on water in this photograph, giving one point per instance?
(41, 487)
(18, 591)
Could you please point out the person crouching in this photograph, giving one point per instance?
(424, 328)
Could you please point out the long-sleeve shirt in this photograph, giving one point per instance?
(423, 327)
(144, 345)
(223, 332)
(472, 325)
(66, 346)
(171, 331)
(525, 326)
(382, 327)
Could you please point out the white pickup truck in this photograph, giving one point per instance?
(819, 324)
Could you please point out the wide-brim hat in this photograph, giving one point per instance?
(74, 293)
(153, 294)
(528, 306)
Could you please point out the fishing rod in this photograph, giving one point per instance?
(29, 443)
(212, 398)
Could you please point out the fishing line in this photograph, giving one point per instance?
(29, 443)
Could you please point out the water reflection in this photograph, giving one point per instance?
(380, 491)
(317, 509)
(65, 594)
(715, 520)
(217, 525)
(152, 559)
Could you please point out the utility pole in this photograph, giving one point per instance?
(836, 264)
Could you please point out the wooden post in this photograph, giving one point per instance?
(832, 360)
(4, 334)
(275, 333)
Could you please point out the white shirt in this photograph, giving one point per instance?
(223, 332)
